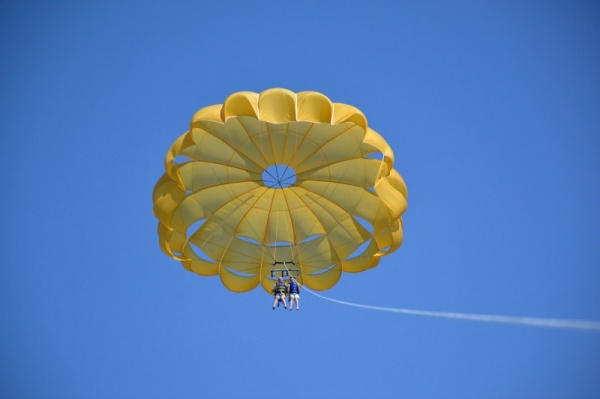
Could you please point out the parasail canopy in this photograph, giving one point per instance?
(279, 178)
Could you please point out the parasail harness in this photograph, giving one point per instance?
(285, 270)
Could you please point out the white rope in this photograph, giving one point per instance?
(527, 321)
(588, 325)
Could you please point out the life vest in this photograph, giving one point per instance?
(294, 288)
(280, 287)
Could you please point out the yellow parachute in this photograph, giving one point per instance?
(279, 178)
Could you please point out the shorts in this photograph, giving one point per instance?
(294, 296)
(280, 295)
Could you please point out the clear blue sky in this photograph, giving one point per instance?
(492, 110)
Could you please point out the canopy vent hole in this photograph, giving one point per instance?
(279, 176)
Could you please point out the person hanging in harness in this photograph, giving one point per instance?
(279, 290)
(294, 293)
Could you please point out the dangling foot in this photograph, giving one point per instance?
(273, 307)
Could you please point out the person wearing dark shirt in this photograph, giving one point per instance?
(279, 290)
